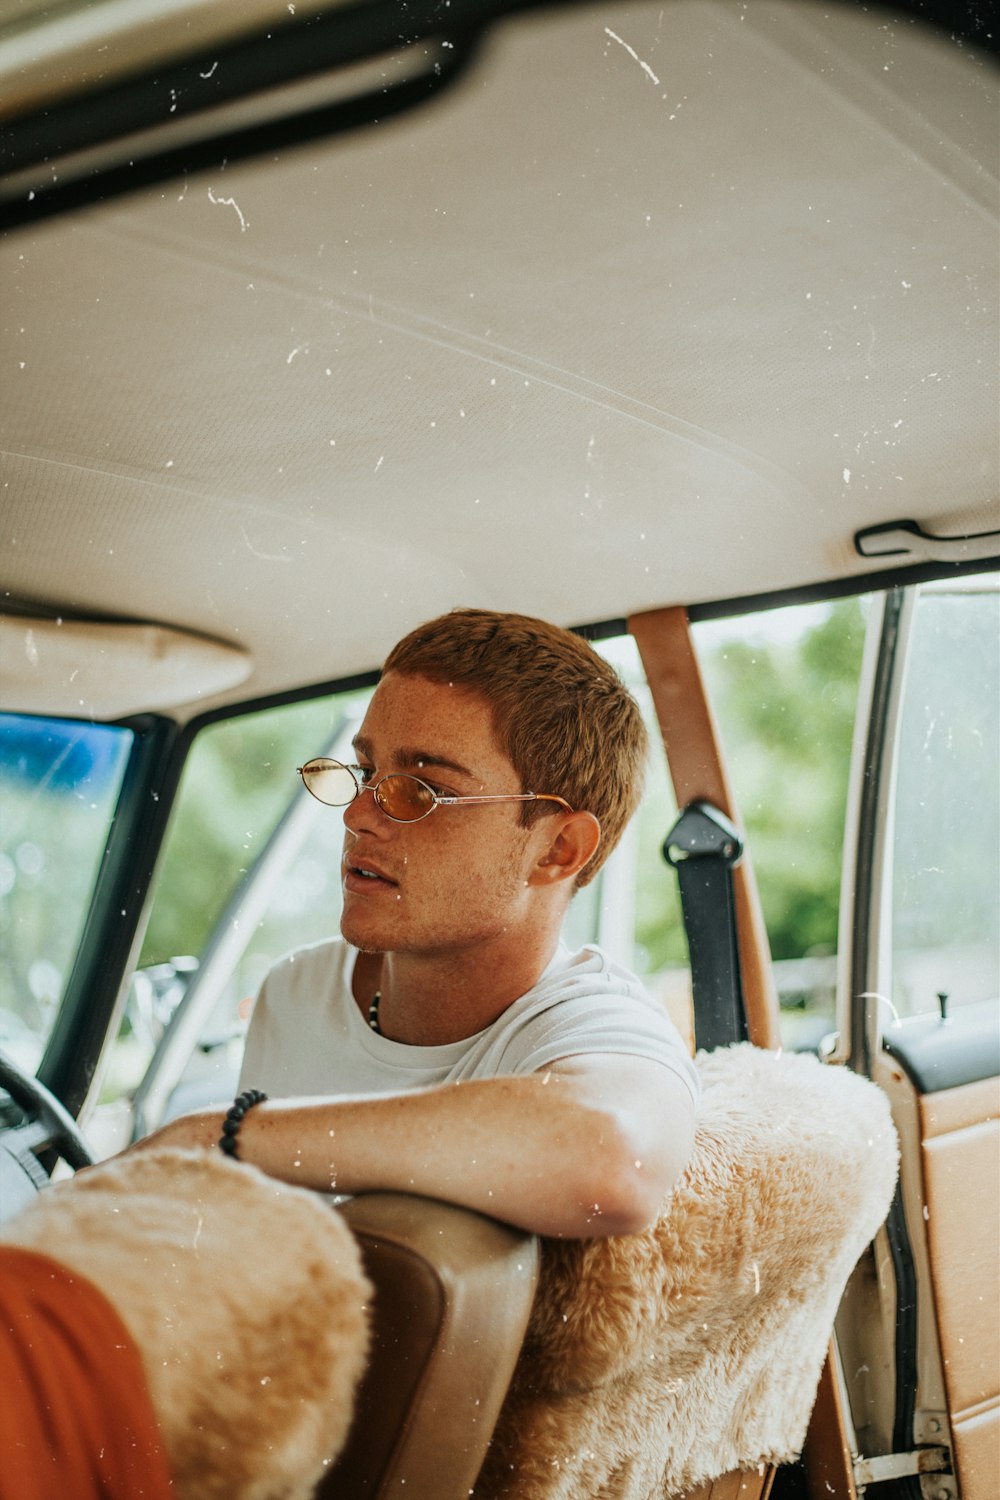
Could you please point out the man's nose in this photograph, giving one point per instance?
(364, 813)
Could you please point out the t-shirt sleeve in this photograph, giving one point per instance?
(619, 1024)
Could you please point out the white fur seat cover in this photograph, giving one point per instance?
(657, 1361)
(246, 1300)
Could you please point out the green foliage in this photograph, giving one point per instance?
(787, 717)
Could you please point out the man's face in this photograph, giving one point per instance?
(457, 878)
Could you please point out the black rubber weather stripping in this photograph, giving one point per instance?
(842, 588)
(868, 824)
(907, 1488)
(898, 1236)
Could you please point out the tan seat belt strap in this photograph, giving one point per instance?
(697, 770)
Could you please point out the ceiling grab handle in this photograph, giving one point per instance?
(697, 770)
(909, 539)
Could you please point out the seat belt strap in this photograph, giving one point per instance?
(703, 847)
(697, 770)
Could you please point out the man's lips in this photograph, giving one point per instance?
(365, 875)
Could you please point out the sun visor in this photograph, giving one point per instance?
(106, 669)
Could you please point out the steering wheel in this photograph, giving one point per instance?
(50, 1126)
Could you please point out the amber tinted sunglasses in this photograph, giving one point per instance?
(403, 798)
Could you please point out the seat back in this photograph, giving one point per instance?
(453, 1294)
(656, 1362)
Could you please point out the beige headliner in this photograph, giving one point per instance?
(661, 305)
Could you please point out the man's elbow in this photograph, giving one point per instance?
(630, 1202)
(636, 1176)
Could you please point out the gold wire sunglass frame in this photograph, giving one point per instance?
(321, 763)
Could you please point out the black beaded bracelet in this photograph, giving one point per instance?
(234, 1119)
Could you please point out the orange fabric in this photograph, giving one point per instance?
(75, 1414)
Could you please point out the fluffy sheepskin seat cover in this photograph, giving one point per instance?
(245, 1298)
(657, 1361)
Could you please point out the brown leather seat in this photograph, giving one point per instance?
(447, 1282)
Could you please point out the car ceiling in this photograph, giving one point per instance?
(660, 304)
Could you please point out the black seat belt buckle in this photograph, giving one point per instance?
(702, 831)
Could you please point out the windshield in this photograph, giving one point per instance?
(59, 786)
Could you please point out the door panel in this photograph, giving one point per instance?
(961, 1161)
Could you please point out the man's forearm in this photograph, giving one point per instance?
(541, 1152)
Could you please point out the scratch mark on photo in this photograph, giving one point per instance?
(633, 54)
(264, 556)
(230, 203)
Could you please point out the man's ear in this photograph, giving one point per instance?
(572, 843)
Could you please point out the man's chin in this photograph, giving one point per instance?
(365, 942)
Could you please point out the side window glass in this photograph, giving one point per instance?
(238, 781)
(232, 818)
(946, 823)
(59, 787)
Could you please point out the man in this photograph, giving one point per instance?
(447, 1044)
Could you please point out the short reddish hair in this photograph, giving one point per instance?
(561, 713)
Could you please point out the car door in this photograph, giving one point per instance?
(919, 1013)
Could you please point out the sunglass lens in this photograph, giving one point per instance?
(330, 782)
(404, 798)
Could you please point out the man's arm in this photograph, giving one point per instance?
(590, 1147)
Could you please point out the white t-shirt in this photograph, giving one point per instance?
(307, 1035)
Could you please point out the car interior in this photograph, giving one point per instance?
(321, 319)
